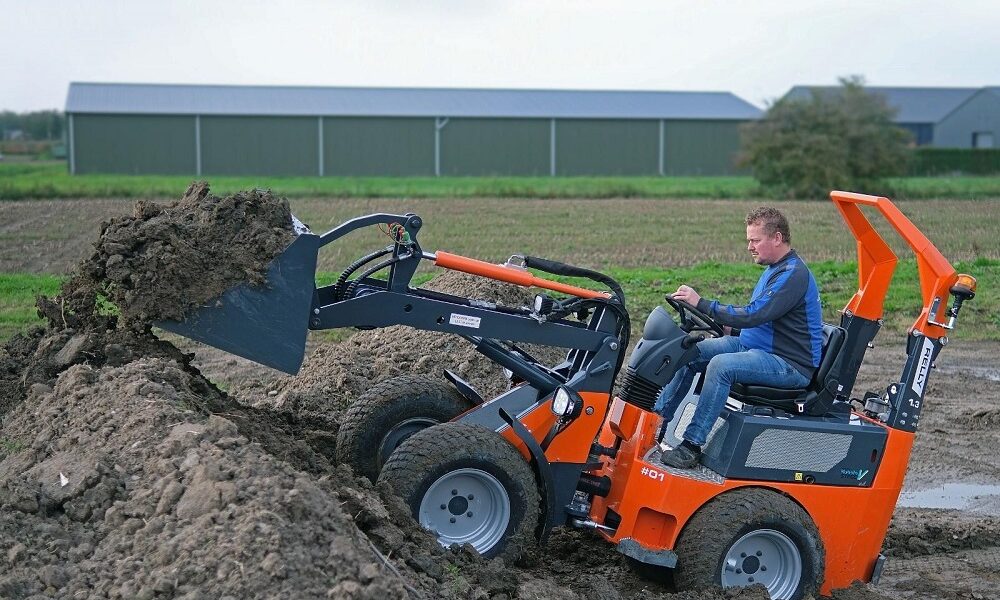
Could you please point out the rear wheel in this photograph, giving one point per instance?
(467, 485)
(390, 412)
(751, 536)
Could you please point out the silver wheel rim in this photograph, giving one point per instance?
(466, 506)
(767, 557)
(398, 434)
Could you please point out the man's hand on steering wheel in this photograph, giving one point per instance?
(686, 293)
(692, 319)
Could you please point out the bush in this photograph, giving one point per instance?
(950, 161)
(839, 140)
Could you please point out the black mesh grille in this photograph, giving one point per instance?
(638, 391)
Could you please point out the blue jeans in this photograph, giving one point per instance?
(724, 361)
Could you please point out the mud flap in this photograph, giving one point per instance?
(877, 571)
(660, 558)
(267, 324)
(544, 472)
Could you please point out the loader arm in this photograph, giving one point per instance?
(367, 302)
(268, 324)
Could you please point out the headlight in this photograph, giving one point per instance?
(567, 403)
(542, 304)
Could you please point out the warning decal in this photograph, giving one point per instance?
(464, 320)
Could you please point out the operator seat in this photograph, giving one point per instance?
(815, 399)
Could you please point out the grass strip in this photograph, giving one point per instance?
(52, 180)
(17, 300)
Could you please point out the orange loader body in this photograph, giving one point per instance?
(655, 505)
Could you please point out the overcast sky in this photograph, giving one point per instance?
(756, 49)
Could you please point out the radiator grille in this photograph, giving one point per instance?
(791, 450)
(639, 391)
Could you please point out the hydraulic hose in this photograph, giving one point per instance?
(349, 292)
(342, 280)
(558, 268)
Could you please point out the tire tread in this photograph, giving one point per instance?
(707, 535)
(431, 449)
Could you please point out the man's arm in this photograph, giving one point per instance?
(783, 291)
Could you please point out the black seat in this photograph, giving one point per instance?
(816, 398)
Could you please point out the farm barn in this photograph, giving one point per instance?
(339, 131)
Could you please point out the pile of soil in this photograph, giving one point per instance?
(164, 260)
(333, 376)
(125, 473)
(143, 480)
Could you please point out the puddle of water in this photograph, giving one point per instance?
(970, 496)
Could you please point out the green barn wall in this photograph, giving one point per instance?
(259, 145)
(378, 146)
(375, 146)
(700, 147)
(495, 147)
(133, 144)
(607, 147)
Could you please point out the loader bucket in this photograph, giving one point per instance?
(266, 324)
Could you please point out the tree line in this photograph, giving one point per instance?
(835, 140)
(39, 125)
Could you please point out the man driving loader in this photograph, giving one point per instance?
(779, 344)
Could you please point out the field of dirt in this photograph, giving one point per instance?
(50, 236)
(132, 467)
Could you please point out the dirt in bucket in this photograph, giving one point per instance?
(165, 259)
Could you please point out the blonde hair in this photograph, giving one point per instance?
(772, 220)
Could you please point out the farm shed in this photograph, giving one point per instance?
(937, 117)
(328, 131)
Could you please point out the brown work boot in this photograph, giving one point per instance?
(684, 456)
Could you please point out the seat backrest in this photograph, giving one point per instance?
(821, 392)
(833, 341)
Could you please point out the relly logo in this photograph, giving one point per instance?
(922, 367)
(858, 474)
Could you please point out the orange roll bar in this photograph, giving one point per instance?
(876, 261)
(509, 274)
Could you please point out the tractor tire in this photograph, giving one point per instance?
(468, 485)
(751, 536)
(391, 411)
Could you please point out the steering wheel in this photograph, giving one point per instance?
(693, 319)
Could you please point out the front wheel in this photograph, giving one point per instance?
(467, 485)
(751, 536)
(391, 411)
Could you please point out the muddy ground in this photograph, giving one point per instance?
(132, 469)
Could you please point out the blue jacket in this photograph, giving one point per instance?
(783, 317)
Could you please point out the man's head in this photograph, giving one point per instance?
(768, 238)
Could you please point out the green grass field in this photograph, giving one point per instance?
(644, 289)
(52, 180)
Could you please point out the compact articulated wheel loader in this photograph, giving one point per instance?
(796, 486)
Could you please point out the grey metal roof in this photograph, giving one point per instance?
(402, 102)
(915, 104)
